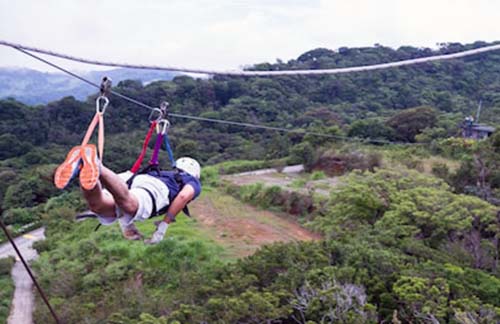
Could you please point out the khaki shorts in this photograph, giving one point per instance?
(140, 187)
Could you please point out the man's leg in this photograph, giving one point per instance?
(127, 202)
(104, 202)
(99, 202)
(122, 197)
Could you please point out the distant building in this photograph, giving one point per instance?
(476, 131)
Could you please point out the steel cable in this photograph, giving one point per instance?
(259, 73)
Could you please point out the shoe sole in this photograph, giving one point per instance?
(89, 174)
(66, 171)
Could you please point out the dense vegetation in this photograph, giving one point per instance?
(6, 287)
(399, 245)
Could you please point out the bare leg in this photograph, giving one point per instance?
(99, 202)
(119, 189)
(104, 203)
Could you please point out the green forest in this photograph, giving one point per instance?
(410, 234)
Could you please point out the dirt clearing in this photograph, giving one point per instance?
(241, 228)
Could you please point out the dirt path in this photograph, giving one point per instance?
(21, 311)
(242, 229)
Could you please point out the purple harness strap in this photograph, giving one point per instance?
(154, 157)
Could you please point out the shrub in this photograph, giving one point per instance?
(455, 147)
(298, 183)
(334, 163)
(302, 153)
(250, 192)
(298, 204)
(6, 287)
(411, 122)
(6, 265)
(413, 163)
(371, 129)
(441, 170)
(318, 175)
(257, 194)
(19, 216)
(269, 196)
(210, 176)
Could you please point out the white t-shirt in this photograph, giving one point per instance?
(156, 187)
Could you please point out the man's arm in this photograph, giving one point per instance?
(180, 201)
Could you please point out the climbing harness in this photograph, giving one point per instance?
(160, 123)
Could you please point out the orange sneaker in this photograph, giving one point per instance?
(68, 169)
(89, 173)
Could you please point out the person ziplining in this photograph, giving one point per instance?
(134, 195)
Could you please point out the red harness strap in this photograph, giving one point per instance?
(138, 162)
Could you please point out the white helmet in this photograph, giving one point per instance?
(189, 165)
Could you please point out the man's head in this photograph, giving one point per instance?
(189, 165)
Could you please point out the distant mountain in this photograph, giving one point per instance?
(34, 87)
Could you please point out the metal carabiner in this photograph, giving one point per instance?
(101, 109)
(164, 107)
(152, 115)
(162, 126)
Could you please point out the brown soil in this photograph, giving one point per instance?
(242, 229)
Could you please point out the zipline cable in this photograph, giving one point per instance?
(40, 290)
(213, 120)
(259, 73)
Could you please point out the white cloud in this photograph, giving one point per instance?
(227, 34)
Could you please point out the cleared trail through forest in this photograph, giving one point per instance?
(21, 311)
(241, 228)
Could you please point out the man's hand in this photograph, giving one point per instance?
(158, 235)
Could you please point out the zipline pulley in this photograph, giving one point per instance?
(164, 108)
(105, 90)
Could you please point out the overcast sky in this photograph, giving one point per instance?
(228, 34)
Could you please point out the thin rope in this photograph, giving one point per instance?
(259, 73)
(213, 120)
(40, 290)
